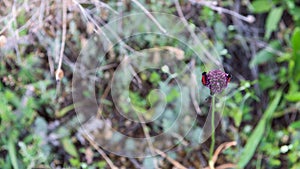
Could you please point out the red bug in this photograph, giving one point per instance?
(204, 79)
(228, 78)
(215, 80)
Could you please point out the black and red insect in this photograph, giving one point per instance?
(215, 80)
(204, 79)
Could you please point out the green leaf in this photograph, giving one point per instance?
(101, 164)
(40, 126)
(220, 30)
(238, 116)
(75, 162)
(296, 40)
(69, 146)
(258, 132)
(265, 54)
(272, 21)
(172, 95)
(64, 110)
(252, 143)
(153, 97)
(274, 162)
(295, 125)
(154, 78)
(66, 142)
(261, 6)
(293, 97)
(12, 153)
(296, 52)
(266, 81)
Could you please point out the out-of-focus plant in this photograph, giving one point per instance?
(18, 110)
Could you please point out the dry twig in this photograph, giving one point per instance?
(147, 135)
(208, 56)
(149, 15)
(99, 30)
(102, 153)
(63, 41)
(102, 4)
(172, 161)
(211, 5)
(222, 147)
(104, 95)
(16, 33)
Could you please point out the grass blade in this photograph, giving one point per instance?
(12, 153)
(258, 132)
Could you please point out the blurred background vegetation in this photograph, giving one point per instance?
(259, 44)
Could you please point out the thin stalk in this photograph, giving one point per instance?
(212, 145)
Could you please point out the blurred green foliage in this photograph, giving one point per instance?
(22, 146)
(261, 114)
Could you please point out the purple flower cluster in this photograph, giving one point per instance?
(217, 81)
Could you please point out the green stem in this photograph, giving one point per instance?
(212, 145)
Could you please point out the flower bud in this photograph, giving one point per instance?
(217, 81)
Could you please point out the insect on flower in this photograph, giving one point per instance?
(215, 80)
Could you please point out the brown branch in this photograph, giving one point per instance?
(102, 153)
(172, 161)
(208, 58)
(211, 5)
(149, 15)
(222, 147)
(99, 30)
(105, 94)
(63, 40)
(223, 166)
(147, 135)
